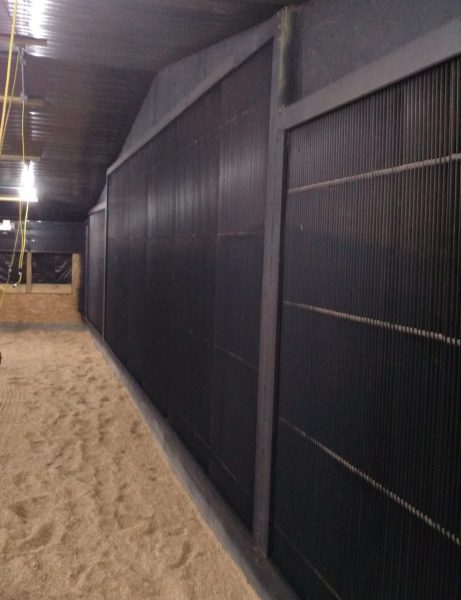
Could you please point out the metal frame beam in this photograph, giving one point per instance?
(270, 285)
(29, 102)
(12, 198)
(422, 53)
(21, 41)
(19, 157)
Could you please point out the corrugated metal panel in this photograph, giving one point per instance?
(185, 268)
(161, 211)
(117, 264)
(367, 501)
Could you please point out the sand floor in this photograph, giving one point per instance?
(88, 507)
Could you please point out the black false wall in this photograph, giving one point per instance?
(369, 394)
(361, 469)
(184, 270)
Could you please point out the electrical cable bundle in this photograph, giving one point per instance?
(7, 104)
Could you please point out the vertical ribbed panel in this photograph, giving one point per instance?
(161, 210)
(117, 264)
(367, 498)
(243, 136)
(138, 171)
(185, 248)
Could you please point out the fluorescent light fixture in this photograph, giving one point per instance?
(6, 225)
(34, 12)
(28, 191)
(37, 17)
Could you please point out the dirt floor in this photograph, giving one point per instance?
(88, 507)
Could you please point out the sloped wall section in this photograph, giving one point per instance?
(184, 269)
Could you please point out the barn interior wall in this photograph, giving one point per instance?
(202, 289)
(184, 272)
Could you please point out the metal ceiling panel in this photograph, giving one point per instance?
(88, 112)
(135, 34)
(94, 73)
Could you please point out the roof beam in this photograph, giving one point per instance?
(30, 102)
(11, 198)
(21, 41)
(19, 158)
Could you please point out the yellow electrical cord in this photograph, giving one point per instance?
(19, 227)
(2, 140)
(3, 124)
(24, 228)
(8, 69)
(7, 104)
(10, 104)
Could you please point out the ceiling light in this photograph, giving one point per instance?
(37, 17)
(28, 191)
(6, 225)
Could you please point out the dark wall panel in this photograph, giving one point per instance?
(185, 247)
(366, 494)
(95, 279)
(158, 327)
(137, 256)
(117, 265)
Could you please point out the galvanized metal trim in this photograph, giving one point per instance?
(424, 52)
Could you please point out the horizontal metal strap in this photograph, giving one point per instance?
(381, 488)
(432, 335)
(430, 162)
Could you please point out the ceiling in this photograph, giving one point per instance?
(94, 73)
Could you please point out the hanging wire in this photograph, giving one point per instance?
(3, 124)
(8, 69)
(23, 138)
(10, 103)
